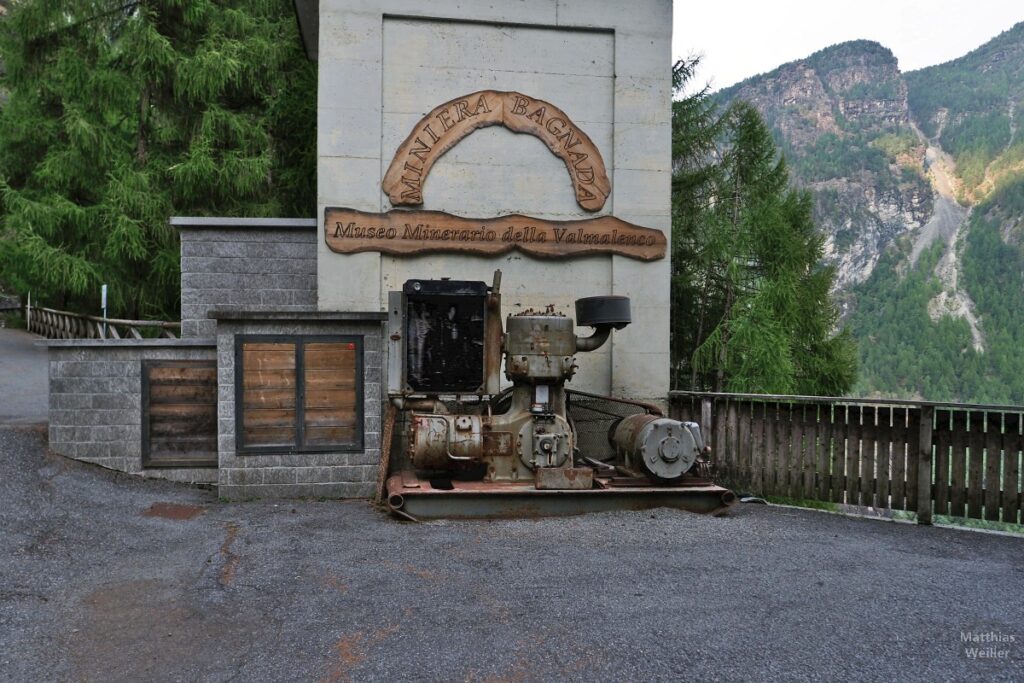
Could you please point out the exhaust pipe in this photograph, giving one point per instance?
(396, 503)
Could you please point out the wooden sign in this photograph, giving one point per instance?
(348, 231)
(446, 125)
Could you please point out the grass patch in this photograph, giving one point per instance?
(803, 503)
(898, 515)
(979, 524)
(965, 522)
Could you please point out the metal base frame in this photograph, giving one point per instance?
(413, 498)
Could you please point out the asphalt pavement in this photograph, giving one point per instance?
(106, 577)
(23, 378)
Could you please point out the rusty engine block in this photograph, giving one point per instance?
(473, 449)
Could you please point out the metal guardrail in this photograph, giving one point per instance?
(961, 460)
(55, 324)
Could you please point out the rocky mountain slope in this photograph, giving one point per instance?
(910, 172)
(841, 118)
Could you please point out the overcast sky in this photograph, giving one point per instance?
(742, 38)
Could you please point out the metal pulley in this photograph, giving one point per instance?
(545, 442)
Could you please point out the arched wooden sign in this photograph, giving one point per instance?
(446, 125)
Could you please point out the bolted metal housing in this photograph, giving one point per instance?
(661, 447)
(539, 348)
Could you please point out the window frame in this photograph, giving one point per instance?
(300, 341)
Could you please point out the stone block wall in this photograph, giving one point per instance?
(252, 264)
(96, 401)
(298, 475)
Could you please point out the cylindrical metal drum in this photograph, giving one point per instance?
(610, 310)
(661, 447)
(444, 442)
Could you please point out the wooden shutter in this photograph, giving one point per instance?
(331, 394)
(179, 426)
(269, 389)
(296, 394)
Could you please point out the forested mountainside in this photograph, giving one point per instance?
(971, 106)
(918, 181)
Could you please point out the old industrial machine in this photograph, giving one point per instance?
(536, 448)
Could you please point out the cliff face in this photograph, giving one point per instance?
(842, 87)
(861, 217)
(794, 101)
(841, 118)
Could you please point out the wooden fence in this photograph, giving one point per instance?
(928, 458)
(55, 324)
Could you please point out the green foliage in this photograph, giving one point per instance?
(902, 141)
(904, 353)
(863, 53)
(888, 89)
(122, 114)
(993, 264)
(985, 524)
(870, 155)
(866, 163)
(974, 142)
(967, 101)
(751, 306)
(964, 522)
(803, 503)
(835, 156)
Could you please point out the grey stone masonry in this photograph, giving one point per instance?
(298, 475)
(96, 401)
(244, 264)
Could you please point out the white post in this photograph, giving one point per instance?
(103, 304)
(28, 313)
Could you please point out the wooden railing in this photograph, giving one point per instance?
(928, 458)
(56, 324)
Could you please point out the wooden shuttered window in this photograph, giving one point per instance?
(299, 394)
(179, 414)
(269, 385)
(330, 397)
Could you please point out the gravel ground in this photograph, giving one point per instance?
(107, 577)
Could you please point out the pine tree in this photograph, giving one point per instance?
(123, 113)
(753, 296)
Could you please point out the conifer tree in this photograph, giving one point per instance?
(751, 299)
(122, 113)
(695, 129)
